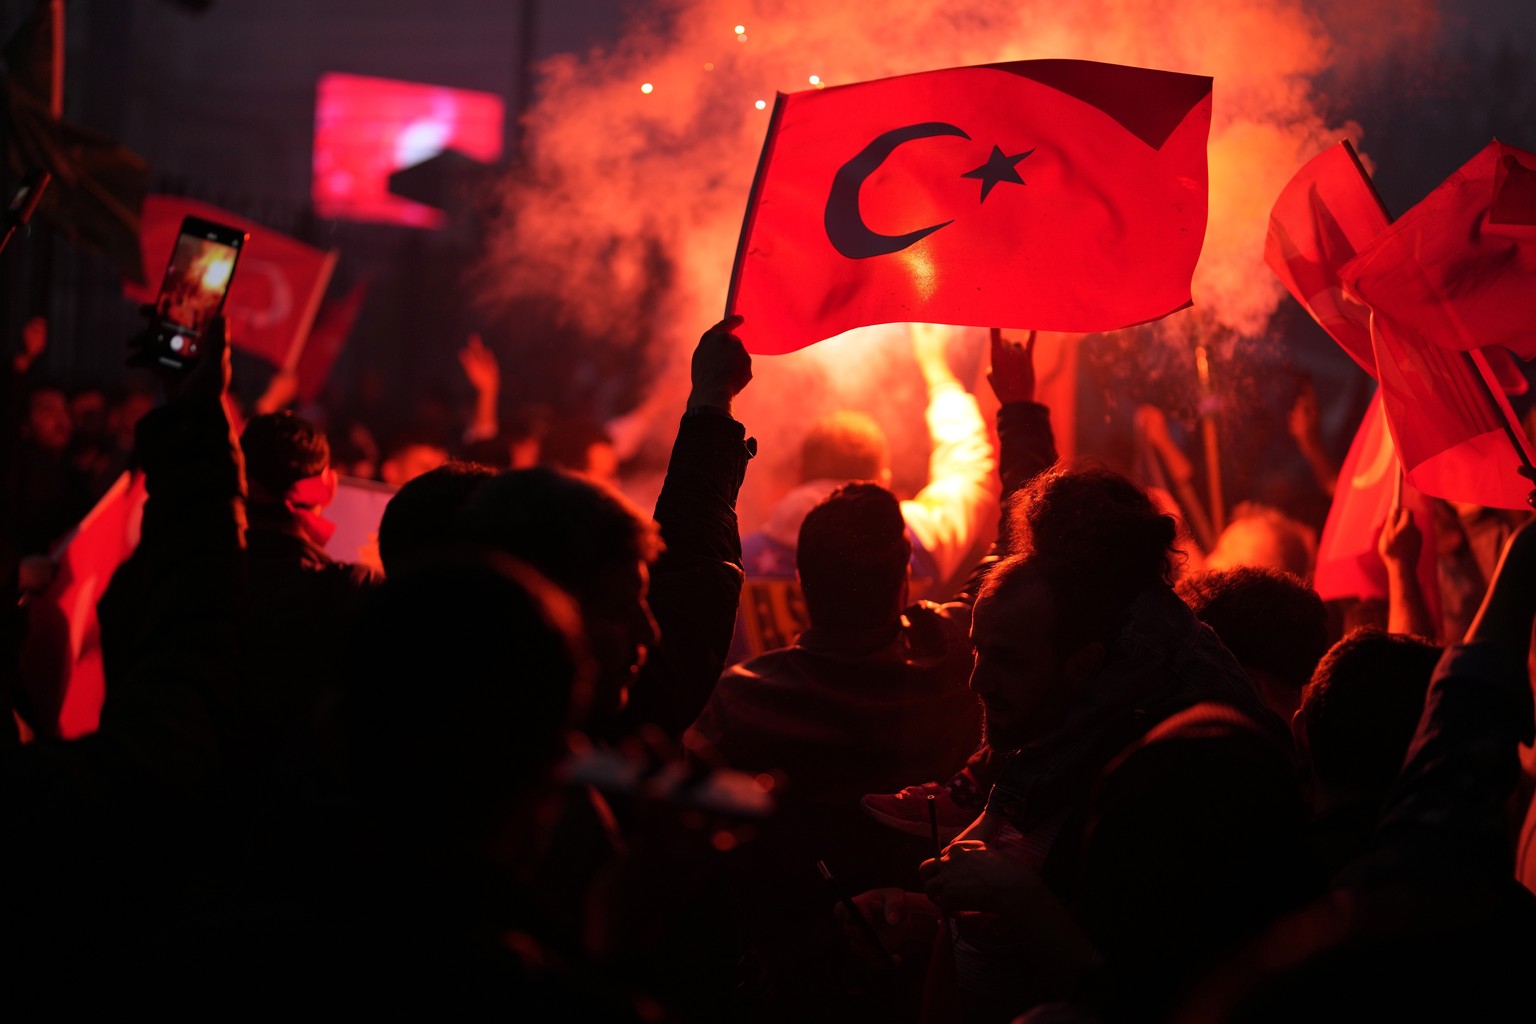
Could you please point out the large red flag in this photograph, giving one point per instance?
(1452, 427)
(61, 659)
(1348, 565)
(277, 287)
(1464, 258)
(1325, 215)
(1058, 195)
(327, 339)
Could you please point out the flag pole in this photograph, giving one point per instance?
(1167, 467)
(1515, 434)
(752, 197)
(1208, 429)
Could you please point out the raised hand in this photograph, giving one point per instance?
(972, 876)
(480, 366)
(1400, 540)
(721, 367)
(208, 380)
(1012, 375)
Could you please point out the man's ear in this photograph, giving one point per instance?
(1083, 663)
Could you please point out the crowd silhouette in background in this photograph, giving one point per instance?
(1013, 749)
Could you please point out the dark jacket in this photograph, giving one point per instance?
(696, 583)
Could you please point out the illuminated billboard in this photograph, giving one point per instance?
(368, 128)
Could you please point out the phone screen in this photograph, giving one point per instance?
(195, 285)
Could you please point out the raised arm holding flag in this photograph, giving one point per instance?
(1454, 275)
(1441, 412)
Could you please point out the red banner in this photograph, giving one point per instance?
(1454, 429)
(1451, 425)
(1464, 258)
(61, 659)
(1325, 216)
(326, 340)
(1369, 485)
(1057, 195)
(277, 287)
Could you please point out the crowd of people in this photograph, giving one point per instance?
(1014, 749)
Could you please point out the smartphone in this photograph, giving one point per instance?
(192, 293)
(856, 914)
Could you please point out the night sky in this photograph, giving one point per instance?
(219, 97)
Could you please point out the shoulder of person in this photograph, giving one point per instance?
(1207, 755)
(936, 631)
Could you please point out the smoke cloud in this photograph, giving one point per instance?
(617, 174)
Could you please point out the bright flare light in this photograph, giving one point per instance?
(646, 88)
(216, 274)
(761, 104)
(741, 29)
(815, 79)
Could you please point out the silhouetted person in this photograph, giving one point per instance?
(946, 519)
(469, 671)
(872, 694)
(1148, 815)
(1273, 623)
(108, 838)
(1353, 725)
(1428, 922)
(419, 518)
(300, 602)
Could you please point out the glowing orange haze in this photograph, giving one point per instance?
(617, 169)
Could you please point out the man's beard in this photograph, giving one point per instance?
(999, 737)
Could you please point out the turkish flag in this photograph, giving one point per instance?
(1325, 216)
(1369, 486)
(1451, 425)
(1057, 195)
(61, 666)
(277, 287)
(1454, 429)
(1464, 258)
(327, 339)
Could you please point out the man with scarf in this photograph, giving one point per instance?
(300, 602)
(1148, 814)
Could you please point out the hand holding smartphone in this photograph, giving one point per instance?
(196, 282)
(855, 915)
